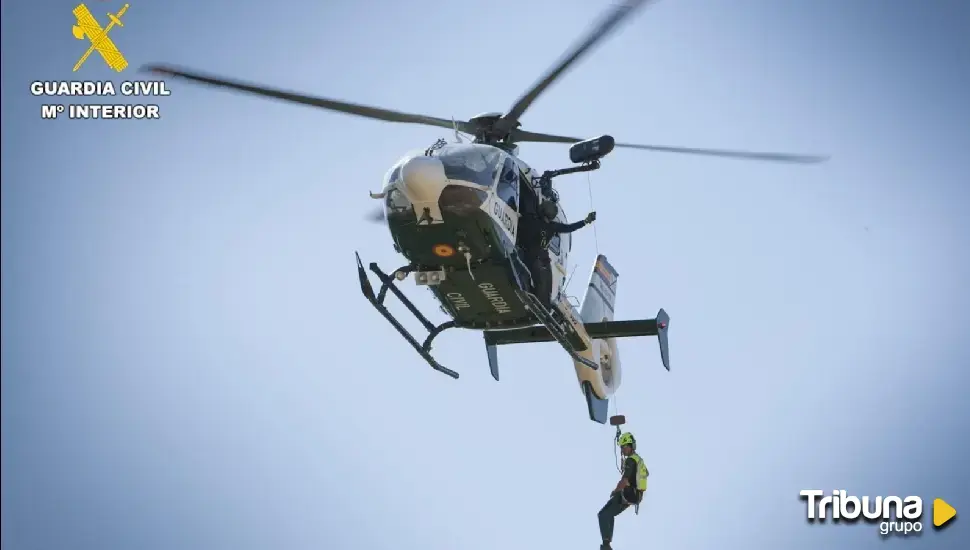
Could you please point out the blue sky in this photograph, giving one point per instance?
(187, 362)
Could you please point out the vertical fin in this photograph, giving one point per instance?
(598, 303)
(600, 297)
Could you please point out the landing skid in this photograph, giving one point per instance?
(387, 283)
(563, 333)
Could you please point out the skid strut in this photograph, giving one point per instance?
(561, 332)
(387, 283)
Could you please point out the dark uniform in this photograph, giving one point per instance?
(619, 503)
(535, 233)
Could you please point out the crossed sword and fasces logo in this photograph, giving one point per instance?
(88, 27)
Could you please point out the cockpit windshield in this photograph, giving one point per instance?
(478, 164)
(393, 176)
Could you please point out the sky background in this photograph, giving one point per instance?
(188, 364)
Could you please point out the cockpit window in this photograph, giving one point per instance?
(476, 164)
(555, 244)
(396, 203)
(393, 175)
(508, 184)
(563, 241)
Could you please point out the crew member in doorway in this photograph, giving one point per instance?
(629, 490)
(536, 231)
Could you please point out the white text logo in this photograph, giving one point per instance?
(895, 515)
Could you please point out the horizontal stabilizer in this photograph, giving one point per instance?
(608, 329)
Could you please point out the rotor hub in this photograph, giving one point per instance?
(485, 120)
(485, 130)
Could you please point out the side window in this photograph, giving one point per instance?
(554, 245)
(508, 184)
(528, 201)
(563, 242)
(396, 202)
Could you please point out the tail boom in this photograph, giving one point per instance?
(596, 313)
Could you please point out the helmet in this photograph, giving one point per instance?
(549, 210)
(627, 439)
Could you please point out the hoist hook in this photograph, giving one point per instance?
(617, 420)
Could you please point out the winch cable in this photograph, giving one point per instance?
(616, 457)
(596, 241)
(589, 187)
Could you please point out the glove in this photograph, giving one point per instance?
(591, 217)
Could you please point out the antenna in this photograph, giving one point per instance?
(454, 125)
(568, 279)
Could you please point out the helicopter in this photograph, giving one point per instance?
(455, 211)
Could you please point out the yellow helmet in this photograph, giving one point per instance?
(627, 439)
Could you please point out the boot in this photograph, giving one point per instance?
(606, 546)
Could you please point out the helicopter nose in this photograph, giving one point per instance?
(424, 178)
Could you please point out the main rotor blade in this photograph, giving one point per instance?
(523, 136)
(747, 155)
(324, 103)
(608, 22)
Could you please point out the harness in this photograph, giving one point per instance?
(543, 240)
(641, 483)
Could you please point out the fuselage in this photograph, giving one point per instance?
(456, 208)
